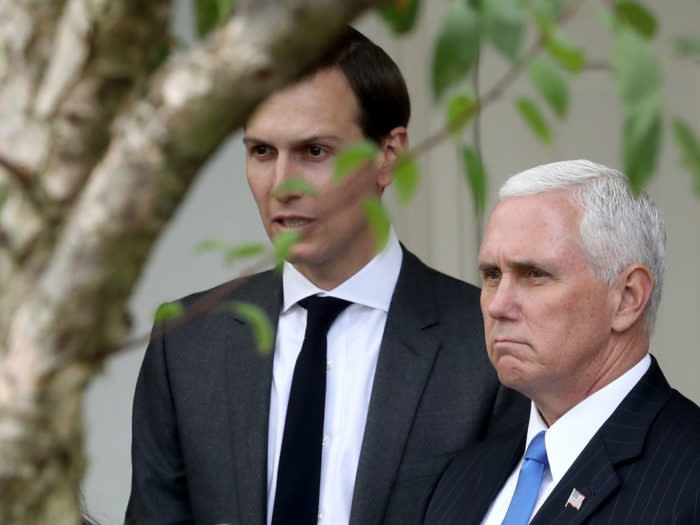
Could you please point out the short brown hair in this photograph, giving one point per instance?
(374, 78)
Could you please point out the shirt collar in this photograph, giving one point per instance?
(570, 434)
(372, 286)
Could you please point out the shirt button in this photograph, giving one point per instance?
(329, 365)
(324, 442)
(320, 515)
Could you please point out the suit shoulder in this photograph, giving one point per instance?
(686, 417)
(241, 288)
(441, 281)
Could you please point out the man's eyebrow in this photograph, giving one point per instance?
(249, 139)
(252, 140)
(315, 138)
(484, 266)
(527, 264)
(519, 264)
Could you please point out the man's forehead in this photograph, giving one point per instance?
(322, 104)
(531, 228)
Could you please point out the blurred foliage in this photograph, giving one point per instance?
(551, 60)
(168, 311)
(231, 253)
(406, 177)
(534, 118)
(295, 185)
(469, 25)
(260, 325)
(378, 221)
(284, 242)
(475, 174)
(400, 15)
(353, 157)
(460, 111)
(211, 13)
(456, 48)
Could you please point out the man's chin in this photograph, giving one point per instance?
(511, 372)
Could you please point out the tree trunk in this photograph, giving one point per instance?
(100, 138)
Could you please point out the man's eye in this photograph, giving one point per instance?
(491, 275)
(260, 150)
(536, 274)
(316, 151)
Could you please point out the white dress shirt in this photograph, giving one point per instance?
(567, 438)
(353, 349)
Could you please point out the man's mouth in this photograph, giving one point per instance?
(293, 222)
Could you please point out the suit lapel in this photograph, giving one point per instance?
(593, 475)
(405, 360)
(487, 475)
(250, 376)
(621, 438)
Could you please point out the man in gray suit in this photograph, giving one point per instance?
(223, 434)
(572, 266)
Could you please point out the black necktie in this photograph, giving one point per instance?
(299, 472)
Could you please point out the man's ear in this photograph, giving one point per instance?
(635, 284)
(391, 146)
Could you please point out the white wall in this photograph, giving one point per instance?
(437, 225)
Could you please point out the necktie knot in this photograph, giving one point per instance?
(537, 451)
(322, 311)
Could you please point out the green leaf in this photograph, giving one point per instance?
(688, 46)
(353, 157)
(460, 111)
(244, 251)
(637, 71)
(295, 185)
(284, 242)
(259, 323)
(641, 143)
(504, 25)
(406, 176)
(212, 245)
(636, 16)
(534, 119)
(168, 311)
(565, 51)
(690, 150)
(475, 175)
(232, 253)
(456, 48)
(378, 221)
(400, 15)
(550, 84)
(211, 13)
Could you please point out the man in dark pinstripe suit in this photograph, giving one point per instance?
(572, 266)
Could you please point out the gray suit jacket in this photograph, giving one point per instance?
(200, 417)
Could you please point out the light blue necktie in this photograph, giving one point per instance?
(529, 480)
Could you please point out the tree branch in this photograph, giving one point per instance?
(499, 87)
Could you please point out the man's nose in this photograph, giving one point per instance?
(285, 174)
(501, 299)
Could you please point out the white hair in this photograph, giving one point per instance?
(616, 229)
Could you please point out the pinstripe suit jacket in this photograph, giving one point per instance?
(641, 467)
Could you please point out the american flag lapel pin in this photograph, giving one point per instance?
(575, 499)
